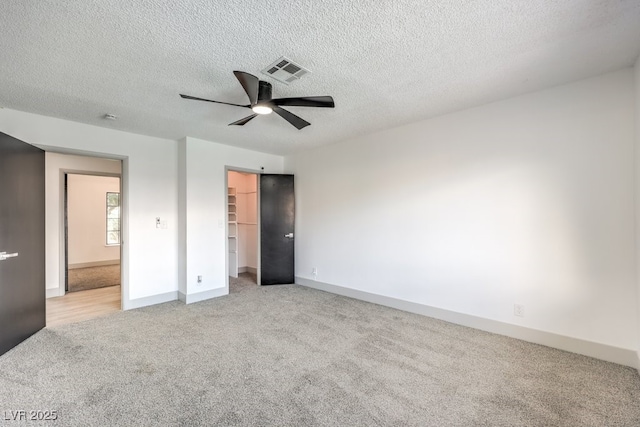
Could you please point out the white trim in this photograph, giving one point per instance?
(202, 296)
(54, 292)
(606, 352)
(124, 234)
(94, 264)
(247, 270)
(147, 301)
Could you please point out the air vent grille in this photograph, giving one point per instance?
(285, 70)
(291, 68)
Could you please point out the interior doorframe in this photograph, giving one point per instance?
(124, 212)
(64, 254)
(228, 169)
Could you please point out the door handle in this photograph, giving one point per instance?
(290, 235)
(4, 255)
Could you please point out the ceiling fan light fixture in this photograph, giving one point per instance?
(261, 101)
(262, 109)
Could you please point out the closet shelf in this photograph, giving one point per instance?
(248, 223)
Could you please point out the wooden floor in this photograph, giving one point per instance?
(82, 305)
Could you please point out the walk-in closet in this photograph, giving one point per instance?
(242, 200)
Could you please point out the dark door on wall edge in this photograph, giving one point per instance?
(22, 234)
(277, 212)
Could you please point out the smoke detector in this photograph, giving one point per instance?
(285, 70)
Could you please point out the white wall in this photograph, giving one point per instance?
(55, 167)
(203, 212)
(87, 218)
(528, 201)
(150, 189)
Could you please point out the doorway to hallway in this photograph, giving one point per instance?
(92, 231)
(85, 214)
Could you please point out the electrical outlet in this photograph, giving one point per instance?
(199, 280)
(314, 272)
(157, 222)
(518, 310)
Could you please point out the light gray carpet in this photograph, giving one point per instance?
(289, 355)
(81, 279)
(244, 282)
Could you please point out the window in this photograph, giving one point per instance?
(113, 218)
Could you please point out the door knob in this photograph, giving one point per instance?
(289, 235)
(4, 255)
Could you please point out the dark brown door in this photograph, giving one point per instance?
(277, 211)
(22, 280)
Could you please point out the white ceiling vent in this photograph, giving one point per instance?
(285, 70)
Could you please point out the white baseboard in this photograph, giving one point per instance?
(247, 270)
(54, 292)
(201, 296)
(94, 264)
(609, 353)
(152, 300)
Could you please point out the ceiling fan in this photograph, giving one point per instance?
(259, 93)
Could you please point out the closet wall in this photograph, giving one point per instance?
(245, 186)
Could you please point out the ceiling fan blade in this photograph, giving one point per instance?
(250, 84)
(291, 118)
(210, 100)
(306, 101)
(242, 122)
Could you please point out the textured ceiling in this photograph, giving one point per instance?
(386, 63)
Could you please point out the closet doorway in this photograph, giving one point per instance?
(242, 234)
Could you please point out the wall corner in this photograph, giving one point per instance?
(182, 216)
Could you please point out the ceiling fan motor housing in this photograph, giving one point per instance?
(264, 91)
